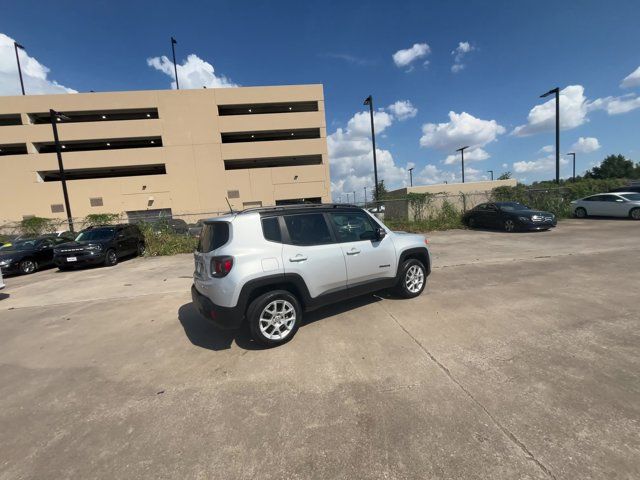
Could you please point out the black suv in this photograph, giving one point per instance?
(100, 245)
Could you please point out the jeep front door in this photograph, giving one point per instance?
(368, 258)
(310, 252)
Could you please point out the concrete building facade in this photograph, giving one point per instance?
(163, 152)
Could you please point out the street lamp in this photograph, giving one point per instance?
(354, 197)
(365, 197)
(491, 172)
(17, 46)
(175, 66)
(556, 91)
(369, 101)
(411, 176)
(56, 117)
(574, 164)
(461, 150)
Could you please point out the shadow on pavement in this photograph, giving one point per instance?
(4, 295)
(202, 334)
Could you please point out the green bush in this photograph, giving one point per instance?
(161, 240)
(100, 219)
(445, 218)
(37, 226)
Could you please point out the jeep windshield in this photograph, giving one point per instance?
(97, 234)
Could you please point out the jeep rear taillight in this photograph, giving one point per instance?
(221, 266)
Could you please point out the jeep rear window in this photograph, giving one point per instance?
(213, 235)
(271, 229)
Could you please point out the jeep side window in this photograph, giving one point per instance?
(352, 226)
(271, 229)
(307, 229)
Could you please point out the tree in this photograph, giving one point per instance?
(505, 176)
(614, 166)
(381, 193)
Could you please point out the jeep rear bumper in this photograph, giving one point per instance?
(222, 317)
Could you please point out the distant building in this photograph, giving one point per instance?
(164, 152)
(462, 196)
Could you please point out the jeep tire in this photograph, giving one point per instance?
(412, 278)
(274, 317)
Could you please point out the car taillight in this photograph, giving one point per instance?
(221, 266)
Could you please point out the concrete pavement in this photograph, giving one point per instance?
(521, 360)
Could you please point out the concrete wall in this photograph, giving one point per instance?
(196, 179)
(463, 196)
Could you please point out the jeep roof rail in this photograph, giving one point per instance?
(296, 206)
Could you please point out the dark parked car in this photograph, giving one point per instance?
(100, 245)
(508, 216)
(630, 188)
(28, 256)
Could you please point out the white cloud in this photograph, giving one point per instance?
(616, 105)
(475, 155)
(459, 53)
(403, 109)
(193, 73)
(351, 157)
(632, 80)
(34, 74)
(505, 165)
(547, 149)
(586, 145)
(404, 58)
(573, 113)
(545, 164)
(462, 129)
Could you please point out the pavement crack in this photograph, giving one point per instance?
(508, 433)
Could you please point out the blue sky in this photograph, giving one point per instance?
(512, 52)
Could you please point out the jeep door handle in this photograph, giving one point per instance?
(298, 258)
(353, 251)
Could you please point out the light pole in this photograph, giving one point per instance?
(369, 101)
(55, 118)
(491, 172)
(557, 93)
(365, 197)
(574, 164)
(175, 66)
(17, 46)
(354, 197)
(411, 176)
(461, 150)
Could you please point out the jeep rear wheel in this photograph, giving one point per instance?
(412, 279)
(274, 317)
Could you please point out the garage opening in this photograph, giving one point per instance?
(103, 172)
(273, 162)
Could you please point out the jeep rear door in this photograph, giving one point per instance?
(309, 250)
(367, 258)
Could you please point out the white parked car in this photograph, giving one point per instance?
(1, 282)
(619, 204)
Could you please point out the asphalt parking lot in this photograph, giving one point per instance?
(520, 360)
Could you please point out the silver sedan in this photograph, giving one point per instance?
(619, 204)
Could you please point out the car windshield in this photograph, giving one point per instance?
(512, 206)
(634, 197)
(96, 234)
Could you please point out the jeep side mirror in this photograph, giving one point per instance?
(380, 233)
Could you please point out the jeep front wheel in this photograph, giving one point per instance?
(412, 279)
(274, 317)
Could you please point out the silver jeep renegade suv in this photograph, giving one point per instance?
(268, 265)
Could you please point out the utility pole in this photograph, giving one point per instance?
(491, 172)
(556, 91)
(56, 117)
(461, 150)
(175, 66)
(574, 164)
(369, 101)
(17, 46)
(411, 176)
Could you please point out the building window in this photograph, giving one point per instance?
(106, 144)
(96, 202)
(10, 119)
(267, 136)
(13, 149)
(103, 172)
(272, 162)
(251, 204)
(233, 193)
(98, 115)
(294, 201)
(262, 108)
(57, 208)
